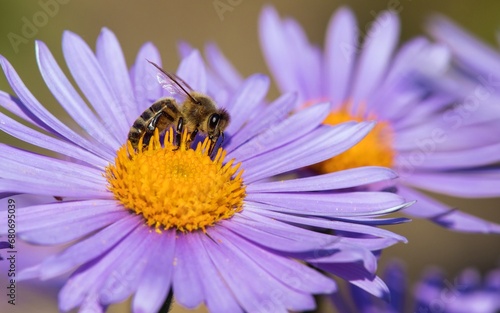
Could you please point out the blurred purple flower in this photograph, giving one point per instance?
(246, 262)
(434, 293)
(424, 131)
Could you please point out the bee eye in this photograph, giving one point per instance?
(214, 121)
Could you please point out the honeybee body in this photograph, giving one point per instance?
(197, 113)
(201, 116)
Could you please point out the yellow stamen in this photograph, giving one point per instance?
(373, 150)
(176, 188)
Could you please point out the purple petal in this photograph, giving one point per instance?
(375, 56)
(470, 157)
(146, 87)
(274, 45)
(288, 130)
(358, 276)
(110, 57)
(307, 61)
(26, 166)
(124, 278)
(91, 79)
(155, 284)
(223, 67)
(248, 97)
(15, 106)
(71, 101)
(187, 285)
(278, 235)
(261, 292)
(316, 222)
(290, 272)
(65, 221)
(273, 114)
(192, 70)
(344, 179)
(184, 48)
(87, 249)
(89, 279)
(480, 183)
(427, 208)
(340, 54)
(49, 189)
(218, 297)
(24, 200)
(37, 109)
(38, 139)
(323, 143)
(346, 204)
(465, 46)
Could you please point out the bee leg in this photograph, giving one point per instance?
(178, 134)
(191, 138)
(150, 129)
(213, 144)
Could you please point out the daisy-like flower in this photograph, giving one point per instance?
(474, 75)
(421, 131)
(212, 229)
(433, 293)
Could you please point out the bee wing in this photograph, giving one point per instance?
(173, 84)
(168, 84)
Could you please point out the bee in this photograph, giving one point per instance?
(197, 113)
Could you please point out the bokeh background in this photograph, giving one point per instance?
(166, 23)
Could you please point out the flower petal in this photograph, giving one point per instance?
(35, 107)
(222, 67)
(187, 284)
(218, 296)
(123, 278)
(288, 271)
(358, 276)
(428, 208)
(155, 284)
(337, 180)
(276, 52)
(474, 183)
(263, 293)
(110, 56)
(283, 132)
(192, 70)
(88, 280)
(375, 56)
(26, 166)
(248, 97)
(318, 145)
(340, 54)
(86, 250)
(71, 101)
(65, 221)
(29, 135)
(327, 224)
(146, 87)
(91, 79)
(273, 114)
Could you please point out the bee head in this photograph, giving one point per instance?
(216, 124)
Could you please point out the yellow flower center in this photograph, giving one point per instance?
(373, 150)
(176, 188)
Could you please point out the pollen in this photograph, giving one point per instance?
(176, 187)
(376, 149)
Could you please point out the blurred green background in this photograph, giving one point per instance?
(167, 22)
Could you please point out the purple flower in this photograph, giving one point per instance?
(424, 132)
(220, 231)
(434, 293)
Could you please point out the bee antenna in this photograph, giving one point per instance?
(175, 81)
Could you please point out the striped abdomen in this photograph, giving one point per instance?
(161, 114)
